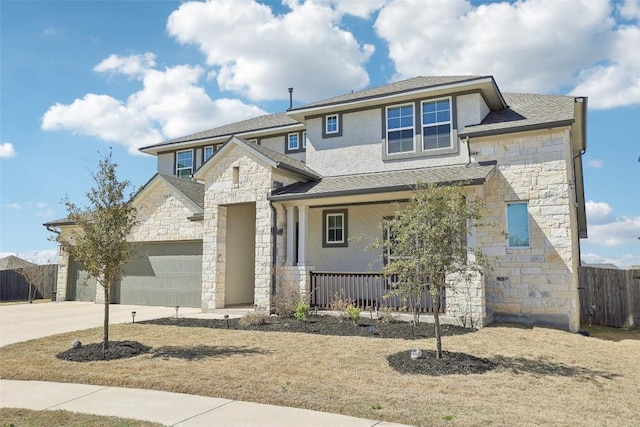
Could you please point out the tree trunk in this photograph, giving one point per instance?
(105, 328)
(435, 298)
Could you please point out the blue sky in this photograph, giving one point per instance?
(78, 77)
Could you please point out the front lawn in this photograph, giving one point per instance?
(541, 376)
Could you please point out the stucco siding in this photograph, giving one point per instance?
(166, 164)
(360, 148)
(471, 109)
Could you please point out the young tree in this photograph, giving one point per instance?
(35, 275)
(427, 239)
(99, 240)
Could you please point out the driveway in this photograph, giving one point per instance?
(22, 322)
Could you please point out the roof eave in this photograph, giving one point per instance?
(512, 129)
(496, 100)
(358, 192)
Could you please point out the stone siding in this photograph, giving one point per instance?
(163, 217)
(255, 181)
(536, 284)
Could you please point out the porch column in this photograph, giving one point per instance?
(303, 212)
(291, 235)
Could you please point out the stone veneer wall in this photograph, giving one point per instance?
(162, 216)
(254, 185)
(536, 284)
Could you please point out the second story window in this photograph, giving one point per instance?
(332, 125)
(208, 152)
(436, 124)
(400, 129)
(293, 142)
(184, 163)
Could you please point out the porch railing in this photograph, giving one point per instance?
(363, 289)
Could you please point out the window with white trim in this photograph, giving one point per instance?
(332, 124)
(184, 163)
(518, 225)
(436, 124)
(208, 152)
(400, 129)
(293, 141)
(334, 228)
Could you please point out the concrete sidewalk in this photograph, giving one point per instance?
(171, 409)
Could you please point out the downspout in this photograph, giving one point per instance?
(274, 247)
(466, 141)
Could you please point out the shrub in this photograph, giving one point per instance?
(302, 311)
(338, 303)
(254, 318)
(287, 295)
(353, 313)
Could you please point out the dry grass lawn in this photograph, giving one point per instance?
(545, 376)
(12, 417)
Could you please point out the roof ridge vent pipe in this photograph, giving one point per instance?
(290, 98)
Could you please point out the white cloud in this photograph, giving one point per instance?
(171, 103)
(361, 9)
(630, 9)
(132, 65)
(529, 45)
(7, 150)
(14, 205)
(104, 117)
(595, 163)
(624, 230)
(259, 55)
(621, 261)
(599, 212)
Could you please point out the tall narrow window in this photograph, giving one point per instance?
(292, 142)
(400, 129)
(335, 228)
(436, 124)
(332, 124)
(208, 152)
(184, 163)
(518, 225)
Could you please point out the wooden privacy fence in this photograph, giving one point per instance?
(362, 289)
(14, 287)
(609, 297)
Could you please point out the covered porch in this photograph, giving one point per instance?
(329, 234)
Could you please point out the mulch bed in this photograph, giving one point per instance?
(93, 352)
(450, 364)
(324, 325)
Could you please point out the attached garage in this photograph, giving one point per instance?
(78, 288)
(163, 274)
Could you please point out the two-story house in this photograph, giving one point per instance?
(310, 187)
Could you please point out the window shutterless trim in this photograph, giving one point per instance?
(190, 168)
(345, 236)
(436, 123)
(299, 149)
(528, 224)
(412, 128)
(338, 132)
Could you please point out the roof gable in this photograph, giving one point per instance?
(269, 157)
(190, 193)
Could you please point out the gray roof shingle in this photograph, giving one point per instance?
(192, 190)
(282, 160)
(408, 85)
(525, 111)
(383, 182)
(268, 121)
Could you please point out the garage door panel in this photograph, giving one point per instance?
(166, 274)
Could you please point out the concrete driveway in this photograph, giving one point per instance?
(22, 322)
